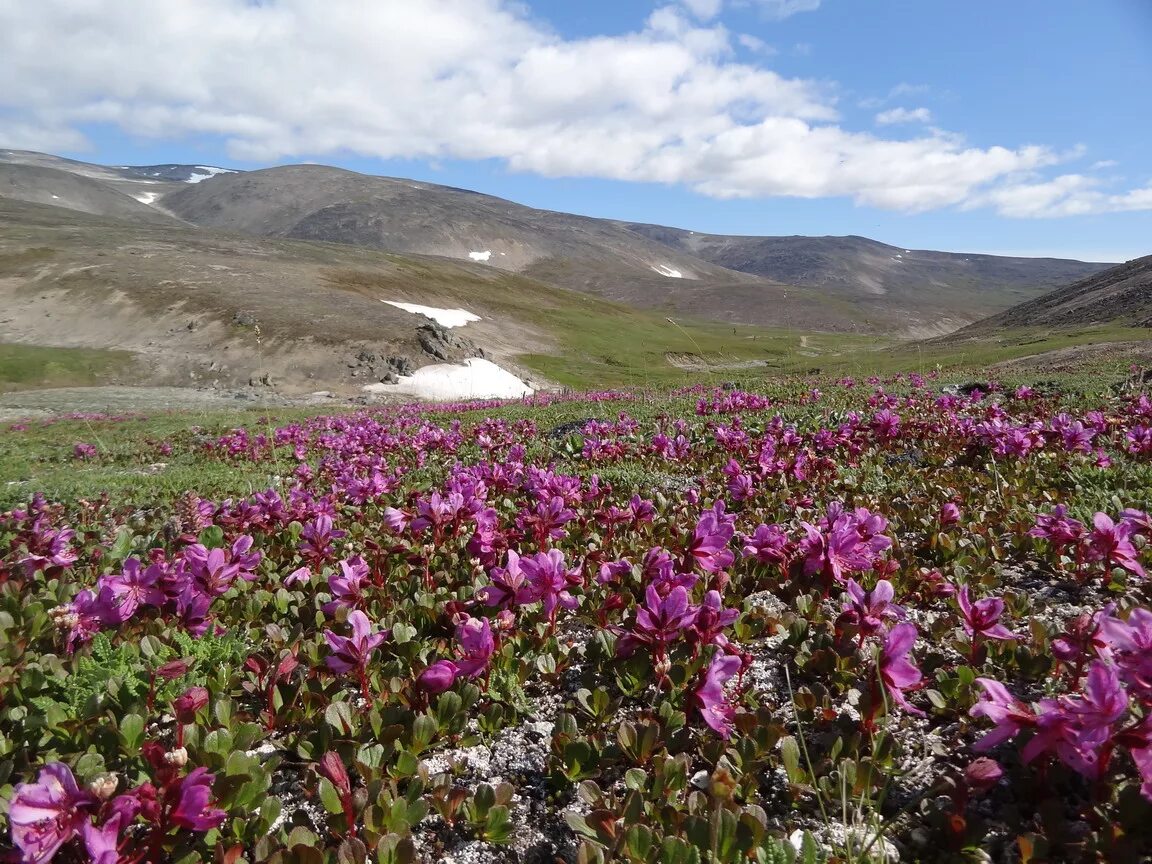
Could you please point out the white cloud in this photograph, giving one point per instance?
(470, 80)
(703, 9)
(1066, 195)
(1104, 163)
(754, 43)
(901, 89)
(780, 9)
(43, 136)
(777, 10)
(894, 116)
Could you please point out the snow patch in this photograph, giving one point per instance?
(665, 270)
(147, 197)
(444, 317)
(208, 170)
(476, 378)
(480, 256)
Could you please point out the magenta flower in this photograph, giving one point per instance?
(547, 580)
(868, 610)
(101, 842)
(192, 810)
(709, 697)
(897, 672)
(437, 678)
(48, 548)
(1129, 645)
(949, 514)
(135, 586)
(1111, 542)
(347, 586)
(353, 652)
(214, 570)
(316, 538)
(508, 583)
(982, 618)
(709, 544)
(659, 622)
(1006, 711)
(844, 542)
(711, 620)
(48, 813)
(768, 544)
(474, 636)
(1058, 529)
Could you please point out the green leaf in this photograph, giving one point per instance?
(131, 733)
(121, 546)
(402, 633)
(790, 756)
(329, 797)
(339, 716)
(212, 537)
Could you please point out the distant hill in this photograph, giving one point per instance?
(1120, 295)
(831, 284)
(946, 288)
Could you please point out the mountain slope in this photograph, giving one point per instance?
(832, 284)
(1120, 295)
(956, 287)
(58, 188)
(202, 307)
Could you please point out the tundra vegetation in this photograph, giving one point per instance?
(817, 620)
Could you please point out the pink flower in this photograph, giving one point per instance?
(547, 580)
(299, 576)
(1057, 528)
(508, 583)
(353, 652)
(135, 586)
(982, 617)
(709, 544)
(477, 646)
(897, 672)
(192, 810)
(48, 813)
(1111, 543)
(659, 622)
(869, 609)
(1006, 711)
(768, 544)
(347, 586)
(949, 514)
(709, 697)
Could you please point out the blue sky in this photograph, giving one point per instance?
(1014, 127)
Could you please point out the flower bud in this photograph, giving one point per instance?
(332, 767)
(177, 757)
(103, 786)
(173, 669)
(982, 774)
(186, 706)
(437, 678)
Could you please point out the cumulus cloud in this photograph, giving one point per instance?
(470, 80)
(1066, 195)
(894, 116)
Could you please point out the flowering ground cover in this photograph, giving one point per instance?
(845, 621)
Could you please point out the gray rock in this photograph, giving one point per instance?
(245, 319)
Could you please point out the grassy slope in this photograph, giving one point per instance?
(24, 367)
(606, 344)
